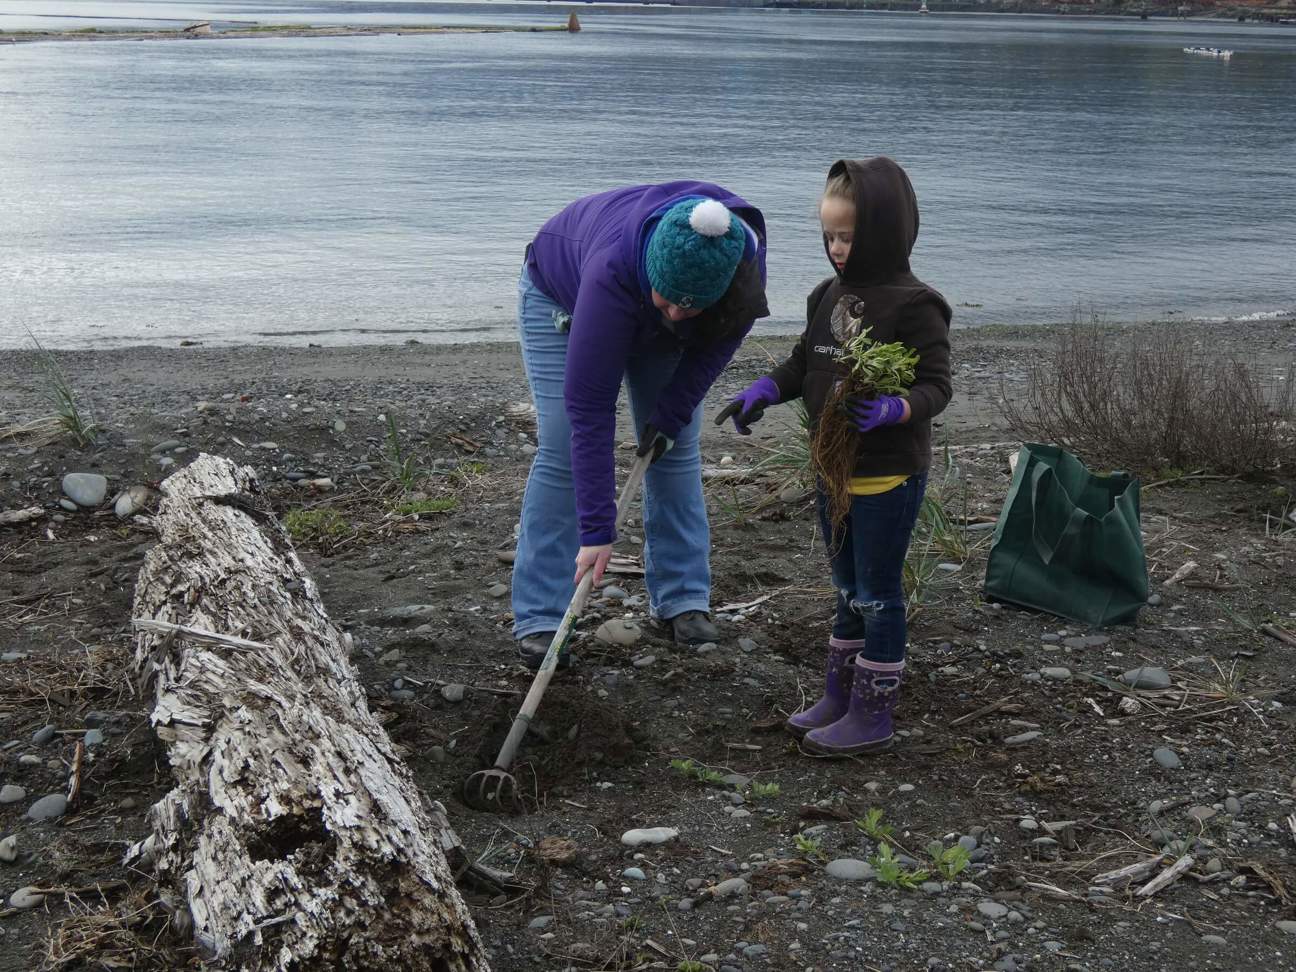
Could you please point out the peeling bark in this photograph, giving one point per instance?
(295, 835)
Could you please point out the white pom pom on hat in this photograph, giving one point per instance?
(710, 218)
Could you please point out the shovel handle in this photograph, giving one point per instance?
(574, 609)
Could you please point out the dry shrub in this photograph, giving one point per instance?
(1155, 399)
(137, 933)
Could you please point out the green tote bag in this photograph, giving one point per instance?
(1069, 542)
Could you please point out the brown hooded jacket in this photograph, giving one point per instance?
(876, 290)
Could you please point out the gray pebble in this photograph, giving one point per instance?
(992, 909)
(453, 692)
(498, 590)
(1286, 927)
(1166, 758)
(1214, 940)
(402, 695)
(85, 489)
(13, 656)
(41, 736)
(1146, 677)
(68, 505)
(1233, 806)
(634, 874)
(1057, 674)
(684, 904)
(643, 661)
(25, 898)
(730, 888)
(9, 849)
(12, 794)
(540, 922)
(850, 869)
(48, 807)
(1050, 638)
(1021, 739)
(747, 644)
(93, 737)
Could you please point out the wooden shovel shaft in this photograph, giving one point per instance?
(532, 701)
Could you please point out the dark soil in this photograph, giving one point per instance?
(599, 761)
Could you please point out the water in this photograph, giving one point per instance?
(374, 189)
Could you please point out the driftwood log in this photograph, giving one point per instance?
(295, 837)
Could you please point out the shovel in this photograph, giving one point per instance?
(495, 789)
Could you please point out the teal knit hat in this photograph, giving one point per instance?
(694, 252)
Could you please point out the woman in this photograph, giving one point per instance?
(655, 286)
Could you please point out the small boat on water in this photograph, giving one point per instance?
(1209, 52)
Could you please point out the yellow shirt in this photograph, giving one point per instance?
(872, 485)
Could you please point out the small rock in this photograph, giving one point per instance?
(1057, 674)
(453, 692)
(1202, 813)
(43, 735)
(25, 898)
(9, 849)
(634, 874)
(1026, 823)
(498, 590)
(648, 835)
(732, 888)
(1022, 738)
(1233, 806)
(167, 446)
(540, 922)
(618, 632)
(48, 807)
(1166, 758)
(85, 489)
(1214, 940)
(12, 794)
(992, 910)
(1145, 677)
(1286, 927)
(747, 644)
(968, 843)
(850, 869)
(93, 737)
(339, 426)
(13, 656)
(643, 661)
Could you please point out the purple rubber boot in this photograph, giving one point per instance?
(833, 704)
(866, 726)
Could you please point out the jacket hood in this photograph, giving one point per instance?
(886, 220)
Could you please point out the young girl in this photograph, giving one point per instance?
(870, 221)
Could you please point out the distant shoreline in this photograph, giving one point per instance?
(267, 30)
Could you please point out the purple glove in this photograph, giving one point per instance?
(868, 414)
(750, 404)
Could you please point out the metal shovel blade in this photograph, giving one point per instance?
(492, 791)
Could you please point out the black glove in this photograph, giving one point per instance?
(654, 442)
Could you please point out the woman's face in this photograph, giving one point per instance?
(673, 312)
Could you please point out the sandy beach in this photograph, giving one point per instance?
(1014, 739)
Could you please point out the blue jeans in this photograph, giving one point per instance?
(677, 537)
(868, 555)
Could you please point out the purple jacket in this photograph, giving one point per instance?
(589, 260)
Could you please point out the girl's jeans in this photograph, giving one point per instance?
(867, 566)
(677, 537)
